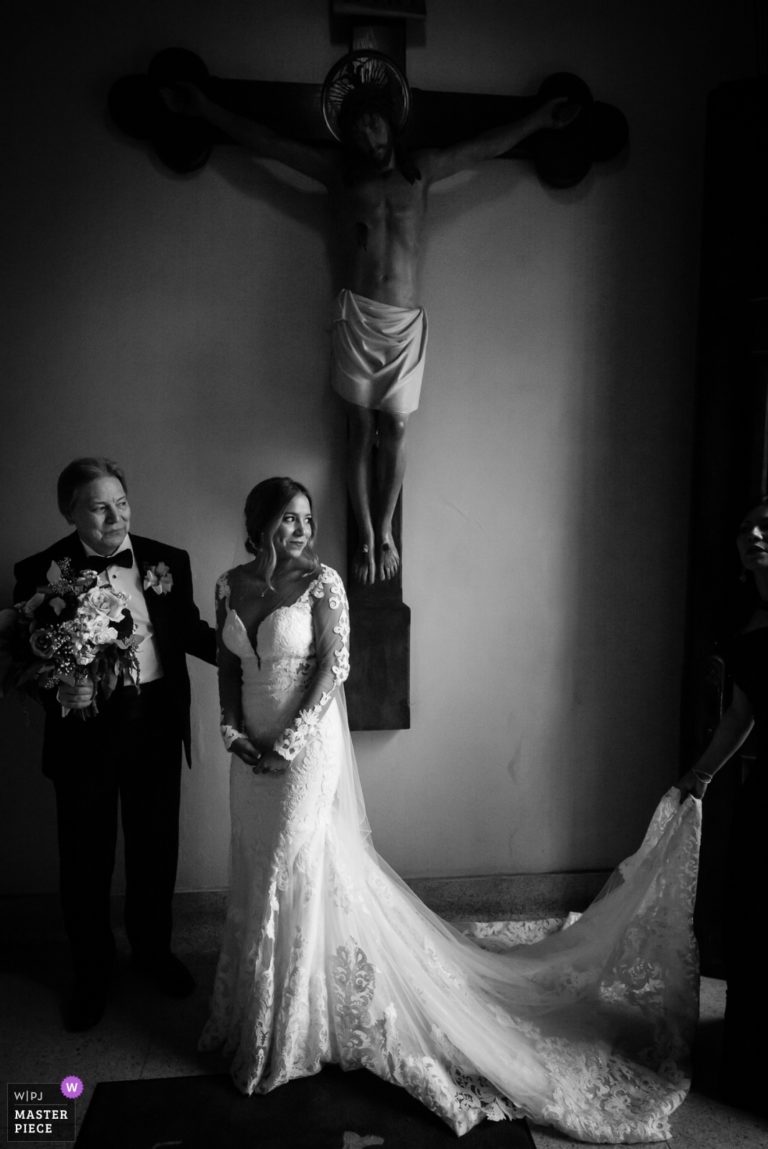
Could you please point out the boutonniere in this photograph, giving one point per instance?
(158, 578)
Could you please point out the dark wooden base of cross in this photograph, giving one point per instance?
(378, 688)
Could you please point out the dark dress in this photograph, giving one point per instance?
(746, 1016)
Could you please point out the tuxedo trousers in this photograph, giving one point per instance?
(126, 759)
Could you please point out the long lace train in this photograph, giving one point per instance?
(328, 956)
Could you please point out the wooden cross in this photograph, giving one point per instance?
(378, 689)
(562, 159)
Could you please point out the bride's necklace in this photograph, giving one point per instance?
(296, 577)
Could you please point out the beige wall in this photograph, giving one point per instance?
(180, 325)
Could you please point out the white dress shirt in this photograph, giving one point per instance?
(128, 581)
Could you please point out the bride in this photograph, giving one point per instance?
(328, 956)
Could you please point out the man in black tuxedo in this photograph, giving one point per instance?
(130, 751)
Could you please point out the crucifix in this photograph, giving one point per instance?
(395, 141)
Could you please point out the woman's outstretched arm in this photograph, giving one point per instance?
(731, 733)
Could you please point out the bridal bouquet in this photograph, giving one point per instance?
(70, 630)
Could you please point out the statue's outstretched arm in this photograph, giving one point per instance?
(438, 163)
(188, 100)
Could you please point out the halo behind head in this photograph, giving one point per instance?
(371, 81)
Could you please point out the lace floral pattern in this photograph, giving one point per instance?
(328, 957)
(502, 936)
(369, 1040)
(327, 586)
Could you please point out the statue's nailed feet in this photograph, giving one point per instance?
(389, 559)
(364, 564)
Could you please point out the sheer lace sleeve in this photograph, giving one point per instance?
(330, 621)
(230, 673)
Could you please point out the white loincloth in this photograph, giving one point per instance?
(378, 353)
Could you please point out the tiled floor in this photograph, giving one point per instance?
(145, 1035)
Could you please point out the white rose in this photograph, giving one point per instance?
(106, 601)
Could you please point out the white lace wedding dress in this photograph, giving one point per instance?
(328, 956)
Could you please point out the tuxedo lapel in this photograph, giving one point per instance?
(70, 548)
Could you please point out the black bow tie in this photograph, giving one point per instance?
(100, 563)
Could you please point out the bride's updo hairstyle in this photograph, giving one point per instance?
(264, 509)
